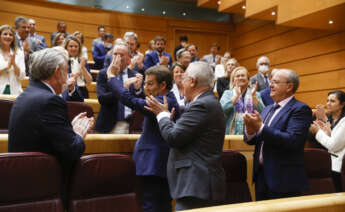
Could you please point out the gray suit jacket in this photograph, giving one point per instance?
(209, 59)
(196, 141)
(261, 81)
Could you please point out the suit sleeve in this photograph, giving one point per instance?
(186, 128)
(127, 98)
(105, 96)
(55, 123)
(294, 135)
(148, 61)
(97, 54)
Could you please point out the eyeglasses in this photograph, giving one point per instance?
(275, 82)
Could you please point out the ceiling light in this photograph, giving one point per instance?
(330, 22)
(164, 12)
(273, 13)
(219, 2)
(127, 7)
(142, 9)
(184, 14)
(244, 7)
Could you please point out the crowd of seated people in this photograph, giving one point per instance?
(127, 78)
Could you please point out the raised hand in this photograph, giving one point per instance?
(129, 82)
(164, 60)
(82, 124)
(138, 82)
(155, 106)
(114, 68)
(320, 113)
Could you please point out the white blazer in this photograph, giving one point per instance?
(334, 143)
(176, 92)
(9, 77)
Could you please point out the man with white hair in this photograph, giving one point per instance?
(279, 135)
(39, 119)
(195, 173)
(261, 78)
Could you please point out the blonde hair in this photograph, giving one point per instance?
(13, 45)
(233, 75)
(233, 60)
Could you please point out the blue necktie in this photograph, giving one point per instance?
(270, 114)
(266, 81)
(120, 106)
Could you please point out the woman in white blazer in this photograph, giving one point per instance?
(330, 132)
(12, 64)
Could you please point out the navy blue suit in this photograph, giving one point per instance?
(107, 116)
(283, 170)
(75, 97)
(99, 52)
(152, 59)
(39, 122)
(266, 97)
(151, 151)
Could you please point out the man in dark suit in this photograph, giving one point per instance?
(279, 139)
(195, 174)
(151, 151)
(158, 56)
(39, 119)
(61, 28)
(262, 77)
(113, 116)
(100, 50)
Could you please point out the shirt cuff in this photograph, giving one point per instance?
(138, 92)
(162, 115)
(70, 93)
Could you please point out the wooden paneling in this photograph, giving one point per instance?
(316, 55)
(86, 20)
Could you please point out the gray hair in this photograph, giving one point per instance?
(120, 42)
(202, 72)
(131, 35)
(291, 76)
(18, 20)
(262, 58)
(44, 62)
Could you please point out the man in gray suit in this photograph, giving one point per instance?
(195, 174)
(262, 77)
(213, 58)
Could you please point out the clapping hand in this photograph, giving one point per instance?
(252, 122)
(155, 106)
(164, 60)
(320, 113)
(82, 124)
(114, 68)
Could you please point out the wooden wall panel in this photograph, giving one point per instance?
(86, 20)
(316, 55)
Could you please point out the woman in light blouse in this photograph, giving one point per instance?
(78, 67)
(241, 98)
(12, 64)
(330, 132)
(223, 83)
(178, 70)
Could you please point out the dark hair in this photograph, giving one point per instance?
(157, 38)
(163, 74)
(215, 45)
(183, 38)
(108, 35)
(100, 27)
(179, 65)
(60, 23)
(18, 20)
(57, 37)
(341, 97)
(189, 45)
(180, 52)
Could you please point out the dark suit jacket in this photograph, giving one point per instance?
(151, 151)
(266, 97)
(261, 81)
(283, 150)
(99, 52)
(107, 116)
(196, 141)
(222, 85)
(39, 122)
(152, 59)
